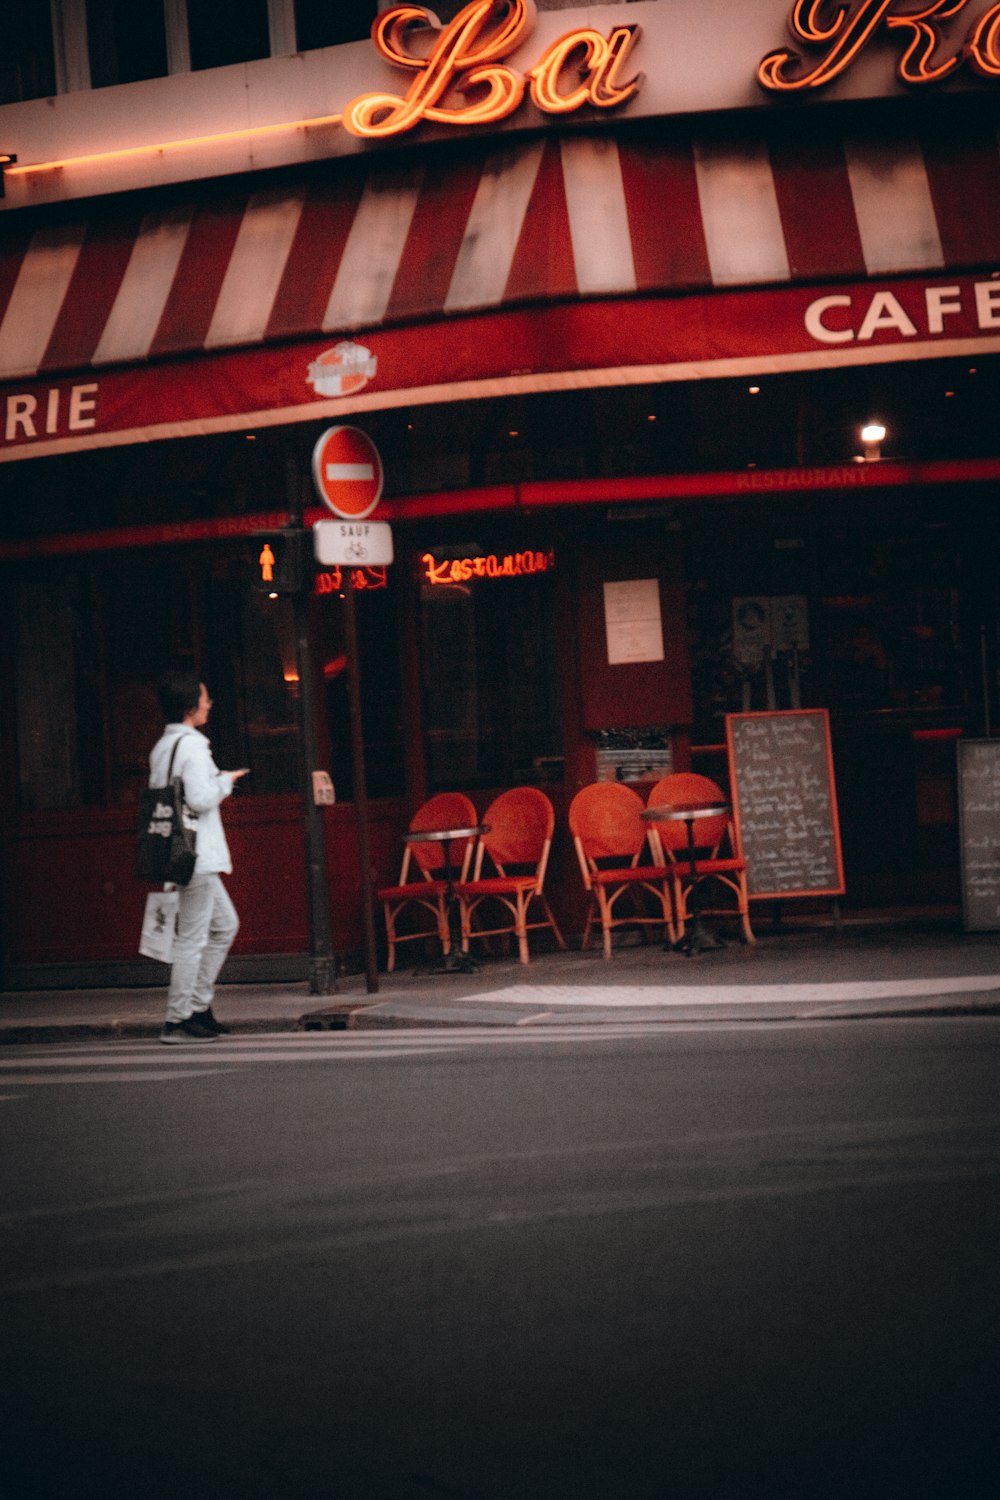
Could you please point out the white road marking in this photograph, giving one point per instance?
(666, 995)
(241, 1052)
(29, 1080)
(144, 1061)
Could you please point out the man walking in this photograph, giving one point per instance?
(207, 921)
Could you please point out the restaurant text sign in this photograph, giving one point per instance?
(465, 59)
(452, 570)
(832, 36)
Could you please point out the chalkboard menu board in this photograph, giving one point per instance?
(979, 825)
(785, 802)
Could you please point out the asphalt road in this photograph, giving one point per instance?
(758, 1261)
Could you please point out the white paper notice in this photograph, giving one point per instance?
(633, 621)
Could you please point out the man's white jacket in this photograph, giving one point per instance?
(205, 787)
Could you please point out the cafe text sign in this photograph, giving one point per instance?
(461, 78)
(832, 35)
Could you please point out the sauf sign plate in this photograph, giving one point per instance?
(353, 544)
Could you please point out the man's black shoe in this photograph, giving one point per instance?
(206, 1018)
(180, 1032)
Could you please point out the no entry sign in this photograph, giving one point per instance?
(347, 470)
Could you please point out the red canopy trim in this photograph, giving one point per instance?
(559, 347)
(357, 246)
(535, 495)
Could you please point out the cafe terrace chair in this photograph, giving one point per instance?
(421, 876)
(610, 837)
(520, 823)
(712, 837)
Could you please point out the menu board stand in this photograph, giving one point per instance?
(785, 803)
(979, 833)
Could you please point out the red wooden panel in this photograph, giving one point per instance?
(633, 694)
(75, 899)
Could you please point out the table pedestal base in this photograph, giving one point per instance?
(455, 962)
(697, 939)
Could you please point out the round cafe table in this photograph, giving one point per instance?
(696, 937)
(454, 961)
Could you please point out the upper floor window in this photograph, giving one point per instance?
(60, 46)
(127, 41)
(227, 31)
(27, 65)
(320, 24)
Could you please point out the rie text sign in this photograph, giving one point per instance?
(353, 544)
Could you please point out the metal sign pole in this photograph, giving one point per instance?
(360, 784)
(348, 474)
(322, 962)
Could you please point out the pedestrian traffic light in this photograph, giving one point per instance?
(279, 566)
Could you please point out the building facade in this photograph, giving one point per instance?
(614, 290)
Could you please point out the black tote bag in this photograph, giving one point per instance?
(165, 843)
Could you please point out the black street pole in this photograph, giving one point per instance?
(322, 962)
(360, 783)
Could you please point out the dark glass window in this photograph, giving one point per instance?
(318, 23)
(227, 31)
(375, 613)
(490, 676)
(328, 23)
(127, 41)
(90, 643)
(876, 596)
(27, 67)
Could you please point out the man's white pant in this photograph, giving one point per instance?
(206, 926)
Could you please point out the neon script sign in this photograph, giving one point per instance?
(463, 80)
(835, 34)
(464, 569)
(331, 580)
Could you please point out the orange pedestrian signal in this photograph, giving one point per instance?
(280, 562)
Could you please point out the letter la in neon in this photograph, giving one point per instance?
(462, 80)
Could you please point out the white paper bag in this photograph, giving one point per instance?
(158, 925)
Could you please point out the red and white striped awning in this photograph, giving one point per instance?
(516, 266)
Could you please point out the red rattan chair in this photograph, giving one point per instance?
(520, 823)
(421, 882)
(669, 841)
(610, 837)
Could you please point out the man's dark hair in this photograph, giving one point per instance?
(178, 693)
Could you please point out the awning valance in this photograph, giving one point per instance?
(380, 283)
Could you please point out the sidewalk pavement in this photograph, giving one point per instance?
(879, 965)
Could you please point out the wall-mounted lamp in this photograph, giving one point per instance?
(873, 436)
